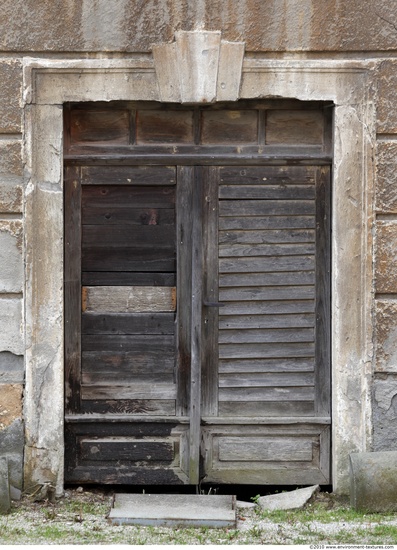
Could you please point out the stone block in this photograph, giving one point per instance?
(11, 193)
(10, 157)
(10, 95)
(11, 243)
(11, 325)
(373, 481)
(11, 368)
(5, 501)
(386, 257)
(386, 335)
(386, 184)
(384, 413)
(386, 77)
(290, 500)
(12, 447)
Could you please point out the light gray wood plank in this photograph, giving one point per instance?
(258, 351)
(268, 307)
(267, 236)
(254, 294)
(133, 391)
(268, 379)
(293, 249)
(253, 223)
(266, 264)
(266, 208)
(266, 321)
(231, 409)
(128, 299)
(265, 449)
(259, 336)
(282, 364)
(267, 394)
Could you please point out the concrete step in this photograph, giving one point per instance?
(174, 510)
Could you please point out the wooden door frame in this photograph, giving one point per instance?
(48, 84)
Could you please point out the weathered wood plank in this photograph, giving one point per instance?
(266, 321)
(225, 127)
(265, 449)
(267, 236)
(282, 192)
(120, 278)
(268, 307)
(129, 175)
(72, 290)
(158, 359)
(128, 323)
(299, 127)
(258, 351)
(268, 379)
(127, 299)
(121, 196)
(267, 293)
(261, 336)
(171, 126)
(256, 223)
(151, 236)
(266, 264)
(266, 208)
(269, 175)
(230, 409)
(184, 289)
(149, 407)
(98, 258)
(126, 214)
(279, 365)
(267, 279)
(100, 126)
(127, 449)
(247, 250)
(142, 343)
(132, 391)
(267, 394)
(128, 378)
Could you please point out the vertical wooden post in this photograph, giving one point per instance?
(197, 301)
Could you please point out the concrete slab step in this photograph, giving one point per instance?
(174, 510)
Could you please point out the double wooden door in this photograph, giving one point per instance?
(197, 320)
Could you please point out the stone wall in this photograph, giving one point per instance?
(299, 29)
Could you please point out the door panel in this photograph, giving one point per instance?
(197, 320)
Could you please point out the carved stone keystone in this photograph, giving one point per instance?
(198, 67)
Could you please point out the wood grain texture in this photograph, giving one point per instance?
(128, 299)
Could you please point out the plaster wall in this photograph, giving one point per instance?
(112, 32)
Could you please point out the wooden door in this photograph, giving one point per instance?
(197, 322)
(266, 341)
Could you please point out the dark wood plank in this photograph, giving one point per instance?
(126, 378)
(110, 196)
(128, 259)
(155, 360)
(119, 278)
(156, 126)
(105, 127)
(223, 126)
(151, 236)
(283, 278)
(122, 343)
(185, 176)
(269, 175)
(126, 449)
(228, 322)
(128, 323)
(129, 175)
(149, 407)
(209, 394)
(126, 214)
(281, 192)
(72, 288)
(323, 301)
(294, 126)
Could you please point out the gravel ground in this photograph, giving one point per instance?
(80, 518)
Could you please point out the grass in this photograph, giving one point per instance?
(81, 519)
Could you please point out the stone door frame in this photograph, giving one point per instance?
(48, 84)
